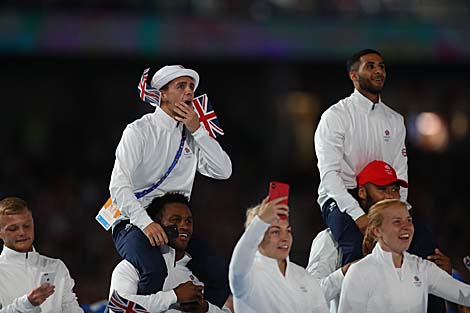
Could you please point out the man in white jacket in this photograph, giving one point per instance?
(159, 153)
(182, 291)
(23, 287)
(351, 133)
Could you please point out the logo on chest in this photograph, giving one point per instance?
(386, 135)
(416, 281)
(187, 151)
(303, 288)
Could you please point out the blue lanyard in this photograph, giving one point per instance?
(172, 166)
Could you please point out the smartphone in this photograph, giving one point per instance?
(171, 231)
(278, 190)
(47, 277)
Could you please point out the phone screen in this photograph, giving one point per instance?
(278, 190)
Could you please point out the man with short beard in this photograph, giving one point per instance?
(350, 134)
(182, 290)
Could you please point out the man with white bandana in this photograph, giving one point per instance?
(167, 146)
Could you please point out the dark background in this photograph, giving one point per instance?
(69, 72)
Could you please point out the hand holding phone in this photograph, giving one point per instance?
(171, 231)
(47, 277)
(279, 190)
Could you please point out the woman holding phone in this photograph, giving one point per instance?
(390, 279)
(262, 278)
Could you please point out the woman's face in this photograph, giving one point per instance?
(396, 232)
(277, 241)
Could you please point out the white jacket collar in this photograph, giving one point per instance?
(385, 257)
(165, 249)
(270, 262)
(364, 103)
(165, 120)
(16, 256)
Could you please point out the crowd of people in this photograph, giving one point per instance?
(373, 256)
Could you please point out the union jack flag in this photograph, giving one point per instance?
(146, 92)
(207, 116)
(118, 304)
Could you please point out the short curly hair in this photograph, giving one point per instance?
(155, 208)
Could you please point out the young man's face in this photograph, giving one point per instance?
(178, 90)
(277, 241)
(371, 74)
(178, 214)
(371, 194)
(396, 232)
(17, 231)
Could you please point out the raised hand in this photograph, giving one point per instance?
(186, 115)
(270, 210)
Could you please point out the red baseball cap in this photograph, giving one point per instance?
(379, 173)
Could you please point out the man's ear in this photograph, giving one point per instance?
(362, 192)
(353, 75)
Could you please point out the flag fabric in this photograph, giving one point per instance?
(207, 116)
(146, 92)
(118, 304)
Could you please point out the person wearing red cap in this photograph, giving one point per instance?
(377, 181)
(159, 153)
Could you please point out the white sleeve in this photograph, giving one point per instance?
(125, 280)
(213, 161)
(244, 255)
(354, 292)
(323, 265)
(443, 285)
(400, 161)
(329, 149)
(20, 305)
(69, 299)
(128, 157)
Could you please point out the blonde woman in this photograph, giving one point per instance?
(262, 278)
(389, 279)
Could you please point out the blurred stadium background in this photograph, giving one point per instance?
(69, 74)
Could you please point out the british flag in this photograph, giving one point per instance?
(207, 116)
(146, 92)
(118, 304)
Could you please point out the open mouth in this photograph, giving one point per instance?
(379, 80)
(404, 237)
(188, 102)
(183, 236)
